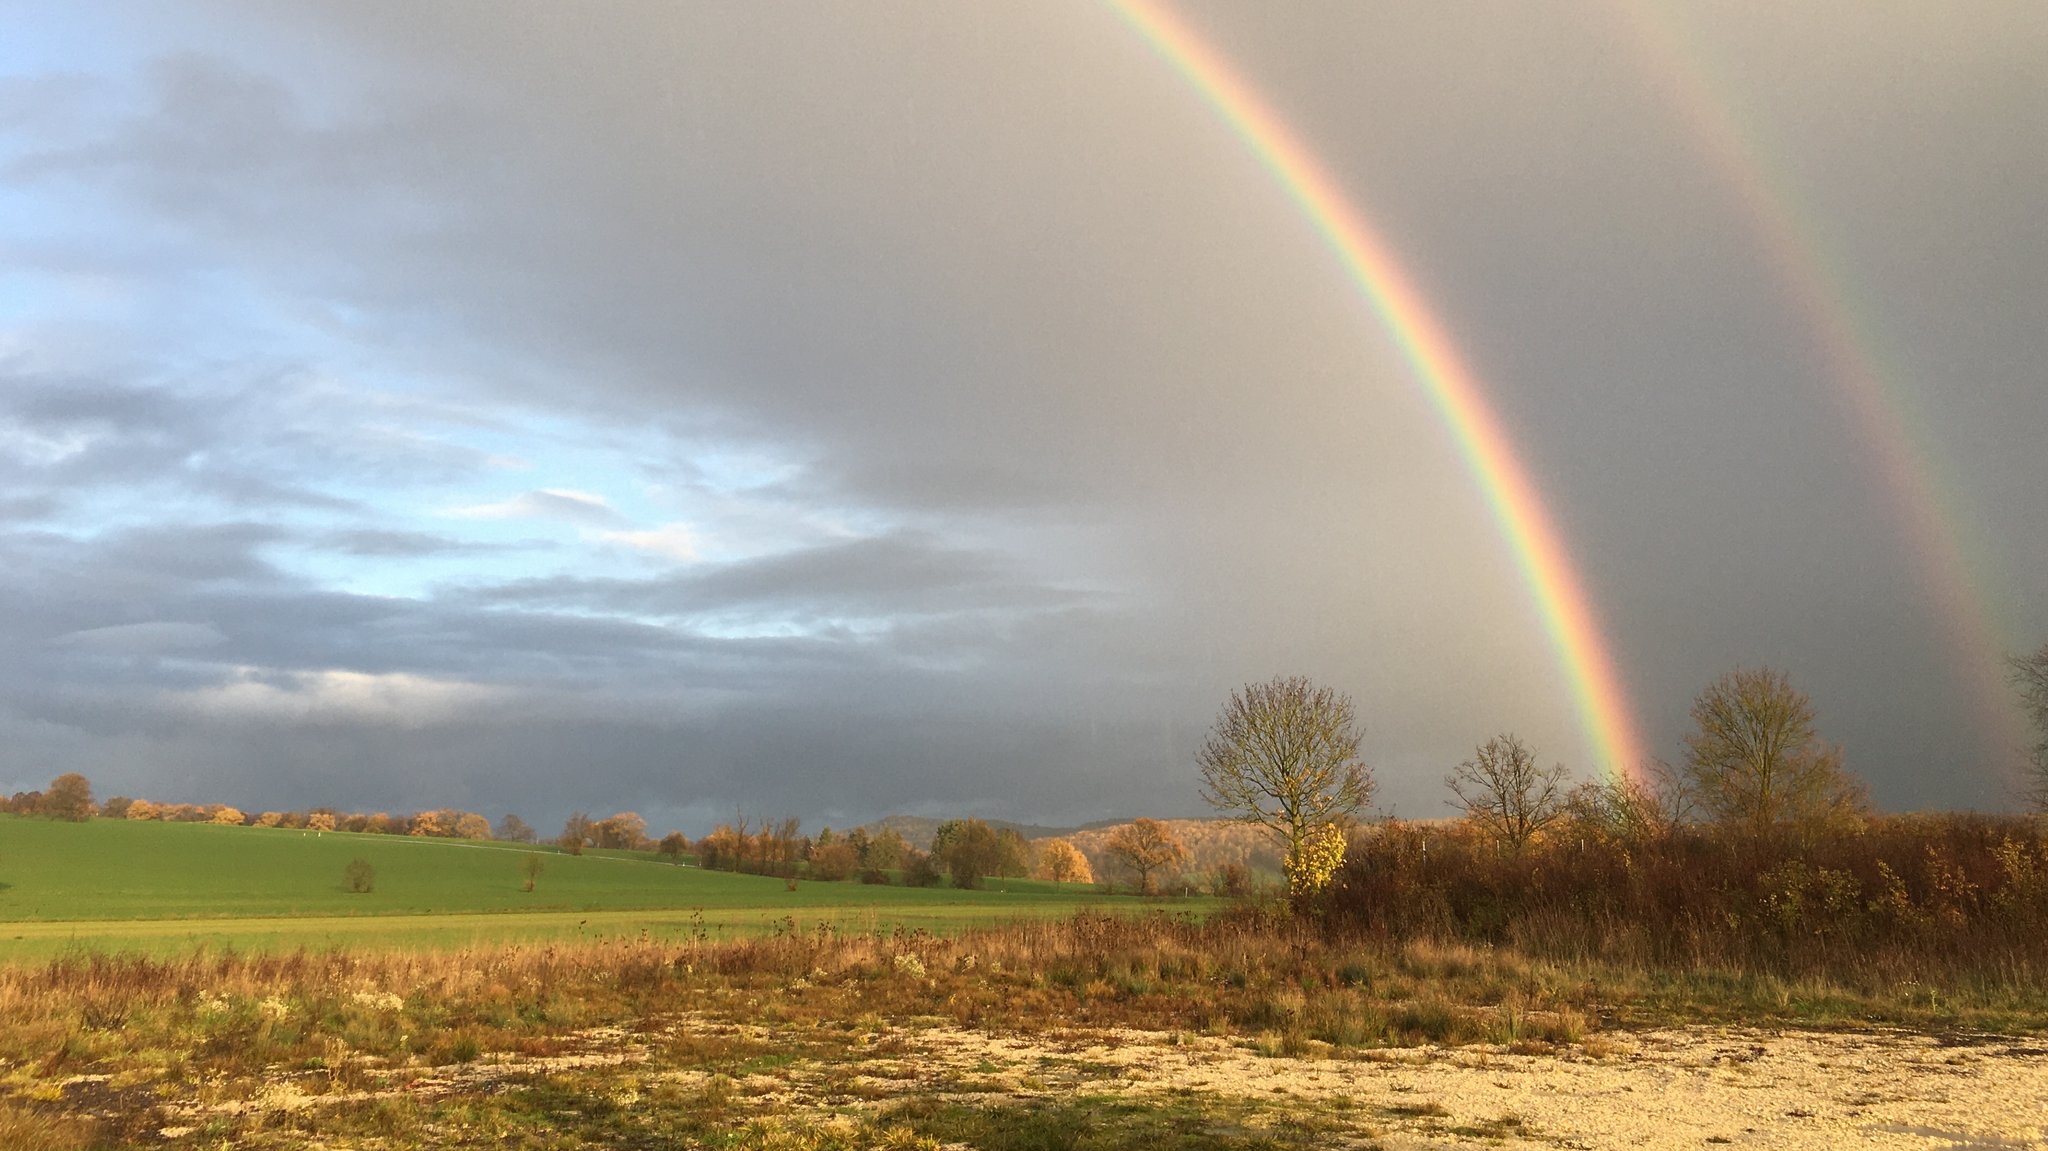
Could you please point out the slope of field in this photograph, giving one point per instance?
(163, 886)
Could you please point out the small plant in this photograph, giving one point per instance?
(359, 876)
(531, 867)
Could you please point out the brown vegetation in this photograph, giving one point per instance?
(1214, 846)
(1148, 850)
(1933, 899)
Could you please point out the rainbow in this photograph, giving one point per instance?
(1875, 405)
(1539, 551)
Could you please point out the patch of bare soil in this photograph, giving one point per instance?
(1683, 1088)
(1687, 1088)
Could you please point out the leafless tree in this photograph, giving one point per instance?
(2030, 676)
(1284, 754)
(1633, 808)
(1505, 794)
(1756, 760)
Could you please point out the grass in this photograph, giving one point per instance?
(169, 887)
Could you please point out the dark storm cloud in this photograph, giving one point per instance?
(1073, 425)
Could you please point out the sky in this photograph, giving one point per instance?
(845, 410)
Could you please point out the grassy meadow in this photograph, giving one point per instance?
(169, 887)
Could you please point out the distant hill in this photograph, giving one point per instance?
(918, 830)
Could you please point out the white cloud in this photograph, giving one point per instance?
(676, 541)
(544, 503)
(392, 699)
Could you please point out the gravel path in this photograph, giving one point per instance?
(1689, 1088)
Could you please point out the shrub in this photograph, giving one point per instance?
(359, 876)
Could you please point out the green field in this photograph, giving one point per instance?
(113, 884)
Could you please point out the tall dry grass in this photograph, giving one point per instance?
(1940, 901)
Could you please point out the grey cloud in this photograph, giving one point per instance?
(1119, 432)
(892, 575)
(149, 638)
(391, 544)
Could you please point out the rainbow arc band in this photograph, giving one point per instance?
(1539, 551)
(1874, 400)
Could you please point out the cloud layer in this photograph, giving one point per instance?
(910, 407)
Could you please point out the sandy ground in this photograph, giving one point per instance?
(1688, 1088)
(1696, 1087)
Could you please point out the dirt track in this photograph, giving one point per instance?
(1690, 1088)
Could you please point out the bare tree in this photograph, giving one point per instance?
(1633, 808)
(1146, 846)
(1756, 760)
(1505, 794)
(1284, 755)
(2030, 676)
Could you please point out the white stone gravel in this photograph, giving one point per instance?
(1682, 1088)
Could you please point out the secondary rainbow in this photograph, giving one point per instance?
(1869, 396)
(1560, 596)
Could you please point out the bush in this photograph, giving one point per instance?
(921, 871)
(834, 862)
(1890, 899)
(359, 876)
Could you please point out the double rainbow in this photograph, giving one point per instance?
(1603, 706)
(1869, 395)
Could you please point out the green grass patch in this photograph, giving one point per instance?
(167, 887)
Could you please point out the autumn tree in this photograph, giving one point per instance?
(69, 798)
(1756, 760)
(1061, 862)
(2030, 676)
(674, 846)
(513, 829)
(721, 850)
(1146, 847)
(967, 849)
(470, 825)
(1284, 755)
(116, 807)
(1506, 794)
(887, 851)
(530, 869)
(575, 833)
(624, 831)
(834, 860)
(1013, 855)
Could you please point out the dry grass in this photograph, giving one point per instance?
(97, 1048)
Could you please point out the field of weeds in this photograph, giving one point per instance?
(825, 1039)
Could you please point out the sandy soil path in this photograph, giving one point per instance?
(1692, 1088)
